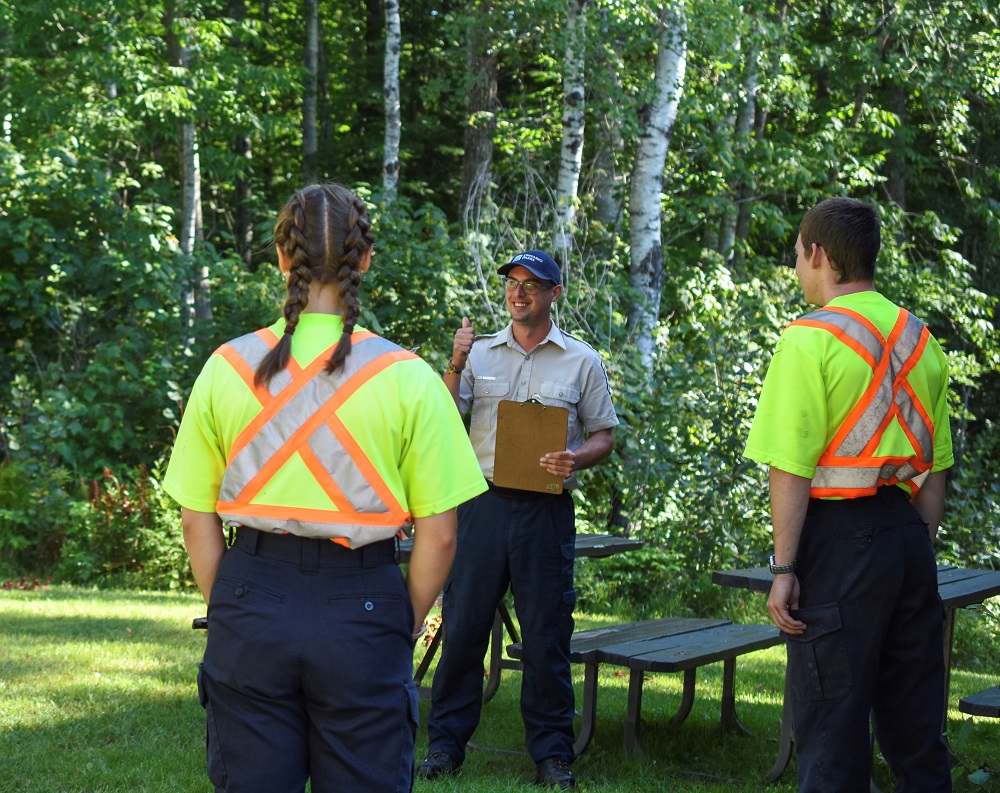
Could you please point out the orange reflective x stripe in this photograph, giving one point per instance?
(298, 416)
(849, 467)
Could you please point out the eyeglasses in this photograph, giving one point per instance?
(529, 287)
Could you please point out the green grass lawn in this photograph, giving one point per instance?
(97, 694)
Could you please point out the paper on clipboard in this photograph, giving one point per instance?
(525, 432)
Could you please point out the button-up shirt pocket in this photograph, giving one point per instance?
(486, 396)
(561, 395)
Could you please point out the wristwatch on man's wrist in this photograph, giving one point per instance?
(779, 569)
(452, 369)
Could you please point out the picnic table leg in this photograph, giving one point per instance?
(496, 651)
(425, 663)
(785, 741)
(687, 697)
(729, 718)
(633, 717)
(949, 633)
(501, 622)
(588, 713)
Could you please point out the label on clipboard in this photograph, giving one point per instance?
(525, 432)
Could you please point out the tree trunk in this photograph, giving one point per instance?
(573, 122)
(242, 147)
(481, 123)
(646, 266)
(310, 146)
(895, 184)
(192, 227)
(739, 190)
(197, 296)
(393, 121)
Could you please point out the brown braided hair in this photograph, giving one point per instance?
(325, 231)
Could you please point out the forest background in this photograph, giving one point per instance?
(664, 153)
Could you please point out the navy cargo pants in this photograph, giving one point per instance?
(308, 670)
(873, 647)
(527, 541)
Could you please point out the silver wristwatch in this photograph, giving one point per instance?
(778, 569)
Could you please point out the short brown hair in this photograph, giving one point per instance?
(849, 231)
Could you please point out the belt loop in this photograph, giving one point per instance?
(369, 554)
(249, 538)
(310, 555)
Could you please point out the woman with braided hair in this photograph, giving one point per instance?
(321, 444)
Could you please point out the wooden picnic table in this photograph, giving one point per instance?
(958, 587)
(667, 644)
(593, 546)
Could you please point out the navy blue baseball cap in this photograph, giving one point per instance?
(538, 262)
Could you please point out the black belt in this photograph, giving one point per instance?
(519, 495)
(312, 553)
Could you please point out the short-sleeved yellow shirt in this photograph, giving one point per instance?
(403, 419)
(814, 381)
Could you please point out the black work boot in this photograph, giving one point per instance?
(554, 772)
(437, 764)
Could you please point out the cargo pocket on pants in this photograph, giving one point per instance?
(215, 765)
(818, 664)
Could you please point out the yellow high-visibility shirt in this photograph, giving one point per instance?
(814, 381)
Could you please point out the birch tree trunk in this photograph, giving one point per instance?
(310, 146)
(393, 120)
(197, 294)
(646, 266)
(192, 227)
(573, 123)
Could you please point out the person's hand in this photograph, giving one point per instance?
(785, 595)
(561, 464)
(464, 337)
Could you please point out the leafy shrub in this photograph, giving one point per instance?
(34, 515)
(126, 534)
(970, 528)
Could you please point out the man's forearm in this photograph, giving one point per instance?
(789, 502)
(595, 449)
(929, 501)
(454, 383)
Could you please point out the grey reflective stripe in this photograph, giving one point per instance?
(838, 477)
(914, 420)
(866, 427)
(252, 349)
(858, 331)
(275, 434)
(356, 535)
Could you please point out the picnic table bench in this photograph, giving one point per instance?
(982, 703)
(670, 644)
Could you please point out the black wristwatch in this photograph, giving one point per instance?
(778, 569)
(452, 369)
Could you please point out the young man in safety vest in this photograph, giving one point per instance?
(519, 538)
(853, 422)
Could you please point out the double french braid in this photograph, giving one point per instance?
(325, 232)
(357, 242)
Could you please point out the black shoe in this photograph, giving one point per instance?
(554, 772)
(437, 764)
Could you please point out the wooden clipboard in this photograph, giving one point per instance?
(525, 432)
